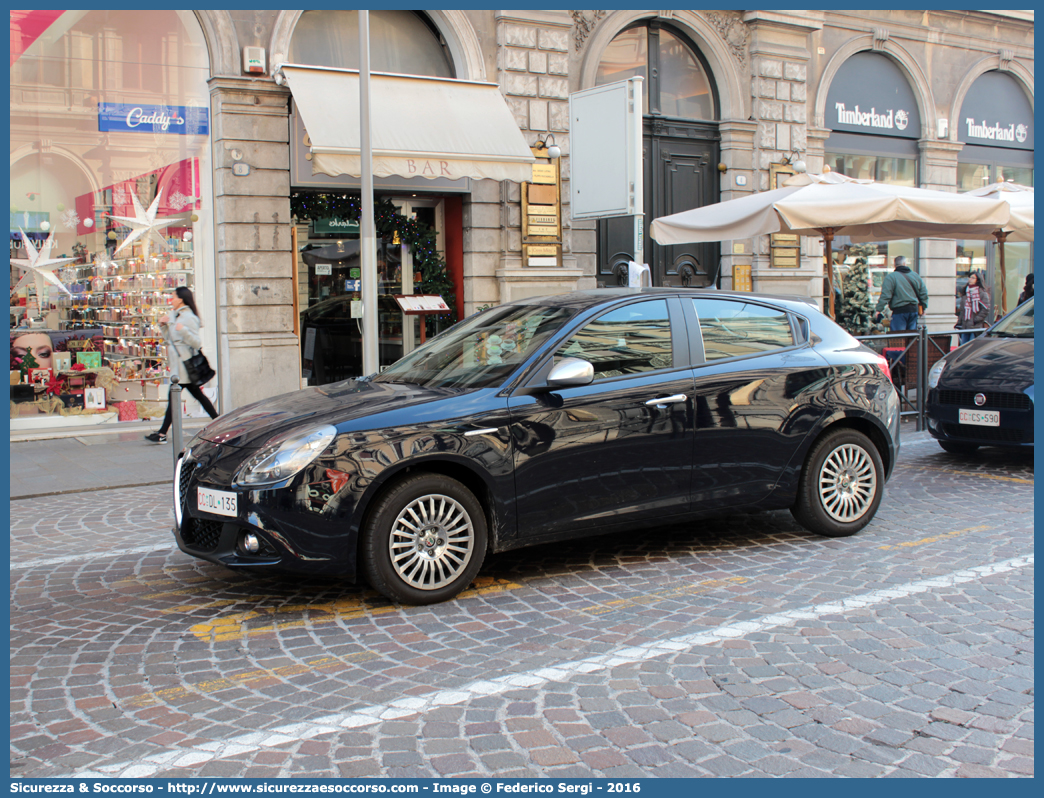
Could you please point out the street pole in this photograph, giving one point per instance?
(175, 418)
(367, 237)
(638, 186)
(828, 240)
(1001, 236)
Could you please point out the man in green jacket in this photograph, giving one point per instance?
(904, 293)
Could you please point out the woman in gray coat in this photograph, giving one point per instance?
(181, 331)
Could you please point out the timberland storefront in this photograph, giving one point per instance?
(996, 125)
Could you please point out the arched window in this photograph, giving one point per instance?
(400, 41)
(676, 81)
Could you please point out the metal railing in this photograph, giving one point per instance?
(911, 355)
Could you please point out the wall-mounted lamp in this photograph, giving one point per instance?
(795, 162)
(553, 150)
(723, 168)
(277, 74)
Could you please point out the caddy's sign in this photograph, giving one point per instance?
(180, 119)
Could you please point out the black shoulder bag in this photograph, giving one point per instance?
(198, 368)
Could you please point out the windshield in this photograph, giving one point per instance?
(480, 351)
(1018, 324)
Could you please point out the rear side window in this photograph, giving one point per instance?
(733, 328)
(628, 340)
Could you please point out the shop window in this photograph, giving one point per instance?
(109, 164)
(400, 41)
(883, 169)
(976, 175)
(894, 171)
(629, 340)
(982, 256)
(676, 79)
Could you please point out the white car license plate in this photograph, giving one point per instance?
(219, 502)
(981, 418)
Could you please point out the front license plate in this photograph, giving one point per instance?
(980, 418)
(219, 502)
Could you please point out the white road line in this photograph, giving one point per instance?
(18, 566)
(418, 704)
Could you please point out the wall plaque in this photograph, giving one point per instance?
(784, 248)
(542, 214)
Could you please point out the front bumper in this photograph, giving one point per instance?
(1016, 418)
(294, 535)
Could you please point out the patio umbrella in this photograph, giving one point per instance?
(1019, 226)
(832, 204)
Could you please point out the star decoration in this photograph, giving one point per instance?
(103, 267)
(39, 266)
(144, 223)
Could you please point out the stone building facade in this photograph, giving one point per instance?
(769, 75)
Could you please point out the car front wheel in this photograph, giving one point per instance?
(841, 485)
(425, 540)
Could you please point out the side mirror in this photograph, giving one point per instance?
(571, 372)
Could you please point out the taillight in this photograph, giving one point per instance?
(882, 361)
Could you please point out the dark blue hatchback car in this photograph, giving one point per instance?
(981, 394)
(541, 420)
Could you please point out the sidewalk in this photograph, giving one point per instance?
(92, 460)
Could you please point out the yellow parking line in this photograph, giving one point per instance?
(908, 544)
(246, 679)
(911, 466)
(662, 595)
(235, 626)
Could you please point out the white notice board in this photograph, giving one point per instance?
(422, 303)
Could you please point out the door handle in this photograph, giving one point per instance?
(663, 401)
(471, 433)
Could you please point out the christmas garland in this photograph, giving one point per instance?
(387, 221)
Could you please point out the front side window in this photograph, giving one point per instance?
(735, 329)
(629, 340)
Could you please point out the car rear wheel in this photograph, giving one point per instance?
(841, 485)
(959, 448)
(425, 540)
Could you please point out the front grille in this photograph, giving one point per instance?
(200, 533)
(187, 466)
(996, 434)
(994, 401)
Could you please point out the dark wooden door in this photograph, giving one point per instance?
(681, 172)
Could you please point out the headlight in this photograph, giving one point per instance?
(936, 373)
(281, 458)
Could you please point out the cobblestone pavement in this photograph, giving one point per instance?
(741, 646)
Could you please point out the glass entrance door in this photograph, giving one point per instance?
(330, 295)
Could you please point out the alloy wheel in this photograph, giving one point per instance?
(431, 542)
(847, 483)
